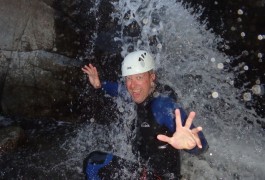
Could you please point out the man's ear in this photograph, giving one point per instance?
(153, 76)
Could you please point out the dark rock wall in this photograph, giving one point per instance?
(38, 67)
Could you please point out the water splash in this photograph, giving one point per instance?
(187, 59)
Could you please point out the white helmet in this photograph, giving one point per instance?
(137, 62)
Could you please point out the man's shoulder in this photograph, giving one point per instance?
(161, 101)
(165, 91)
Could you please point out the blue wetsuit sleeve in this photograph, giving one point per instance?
(204, 143)
(110, 88)
(163, 109)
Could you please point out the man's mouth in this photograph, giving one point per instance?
(136, 93)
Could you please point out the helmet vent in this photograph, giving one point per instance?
(143, 55)
(140, 59)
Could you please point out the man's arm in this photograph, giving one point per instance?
(110, 88)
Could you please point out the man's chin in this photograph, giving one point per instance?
(137, 101)
(137, 98)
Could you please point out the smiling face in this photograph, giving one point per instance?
(140, 85)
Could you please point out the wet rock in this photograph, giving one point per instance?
(38, 84)
(11, 138)
(73, 26)
(39, 72)
(43, 46)
(26, 25)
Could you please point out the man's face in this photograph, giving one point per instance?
(139, 86)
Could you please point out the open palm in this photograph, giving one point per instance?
(93, 76)
(184, 137)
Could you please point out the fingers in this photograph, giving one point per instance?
(90, 70)
(178, 119)
(195, 132)
(163, 138)
(189, 119)
(198, 141)
(86, 69)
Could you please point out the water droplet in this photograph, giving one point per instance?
(246, 68)
(240, 12)
(243, 34)
(233, 28)
(213, 59)
(258, 89)
(220, 66)
(92, 120)
(156, 94)
(245, 52)
(260, 55)
(215, 2)
(239, 19)
(215, 94)
(159, 46)
(227, 47)
(121, 109)
(260, 37)
(145, 20)
(247, 96)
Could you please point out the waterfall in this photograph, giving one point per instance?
(188, 59)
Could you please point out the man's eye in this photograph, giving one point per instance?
(139, 77)
(128, 78)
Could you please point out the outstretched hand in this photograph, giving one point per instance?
(93, 77)
(184, 137)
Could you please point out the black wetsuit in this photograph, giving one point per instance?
(155, 116)
(159, 157)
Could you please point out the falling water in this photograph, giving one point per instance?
(188, 59)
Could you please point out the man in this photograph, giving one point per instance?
(162, 126)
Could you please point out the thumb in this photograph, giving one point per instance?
(163, 138)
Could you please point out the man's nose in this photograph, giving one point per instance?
(132, 83)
